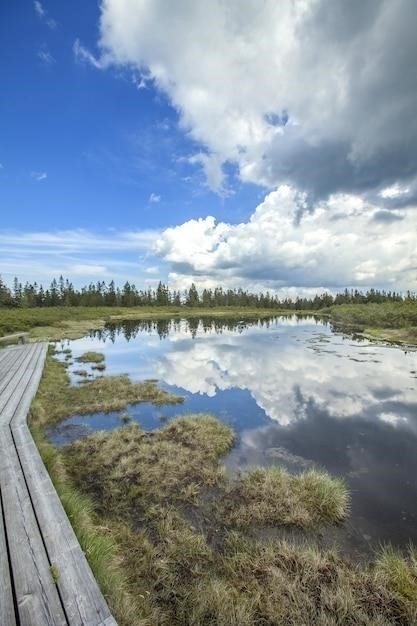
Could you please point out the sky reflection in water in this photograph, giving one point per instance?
(296, 394)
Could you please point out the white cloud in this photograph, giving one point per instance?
(154, 198)
(212, 165)
(87, 269)
(394, 191)
(140, 81)
(39, 175)
(42, 14)
(289, 91)
(77, 254)
(46, 57)
(77, 240)
(82, 54)
(342, 243)
(39, 8)
(345, 383)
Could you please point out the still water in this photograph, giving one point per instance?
(296, 394)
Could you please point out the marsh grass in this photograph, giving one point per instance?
(57, 399)
(387, 321)
(56, 323)
(133, 470)
(91, 357)
(208, 568)
(274, 496)
(168, 534)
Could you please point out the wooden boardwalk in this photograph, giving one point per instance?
(44, 576)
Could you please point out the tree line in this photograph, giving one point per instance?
(62, 292)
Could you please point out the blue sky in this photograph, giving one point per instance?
(146, 140)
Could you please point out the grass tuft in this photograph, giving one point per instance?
(91, 357)
(272, 496)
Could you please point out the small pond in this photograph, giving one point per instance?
(295, 392)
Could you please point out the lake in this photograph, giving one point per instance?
(296, 394)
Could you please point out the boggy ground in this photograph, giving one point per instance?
(56, 398)
(170, 536)
(208, 568)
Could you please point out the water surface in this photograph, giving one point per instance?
(295, 392)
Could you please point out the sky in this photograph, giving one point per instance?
(248, 143)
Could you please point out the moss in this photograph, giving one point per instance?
(54, 573)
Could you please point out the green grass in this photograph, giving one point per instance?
(388, 321)
(55, 323)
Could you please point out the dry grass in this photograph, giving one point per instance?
(274, 497)
(131, 471)
(189, 558)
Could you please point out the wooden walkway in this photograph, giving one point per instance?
(44, 576)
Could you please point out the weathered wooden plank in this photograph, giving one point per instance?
(9, 365)
(19, 416)
(81, 596)
(37, 598)
(7, 613)
(11, 382)
(16, 390)
(83, 601)
(6, 362)
(40, 533)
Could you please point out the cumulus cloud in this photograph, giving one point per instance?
(345, 241)
(346, 383)
(320, 94)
